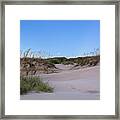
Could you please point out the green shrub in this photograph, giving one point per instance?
(33, 83)
(68, 63)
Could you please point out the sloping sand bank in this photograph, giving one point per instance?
(80, 84)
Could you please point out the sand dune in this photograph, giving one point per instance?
(80, 84)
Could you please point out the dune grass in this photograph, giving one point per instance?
(33, 83)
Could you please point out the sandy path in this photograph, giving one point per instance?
(64, 67)
(70, 84)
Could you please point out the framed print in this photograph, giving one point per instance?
(59, 59)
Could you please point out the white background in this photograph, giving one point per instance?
(104, 106)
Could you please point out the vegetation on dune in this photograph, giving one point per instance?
(32, 83)
(31, 65)
(89, 60)
(34, 64)
(56, 60)
(82, 61)
(29, 81)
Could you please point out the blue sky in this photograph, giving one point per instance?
(68, 38)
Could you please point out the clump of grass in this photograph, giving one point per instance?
(32, 83)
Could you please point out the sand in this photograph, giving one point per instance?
(80, 84)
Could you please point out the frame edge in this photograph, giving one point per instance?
(2, 77)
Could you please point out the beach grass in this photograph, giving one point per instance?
(33, 83)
